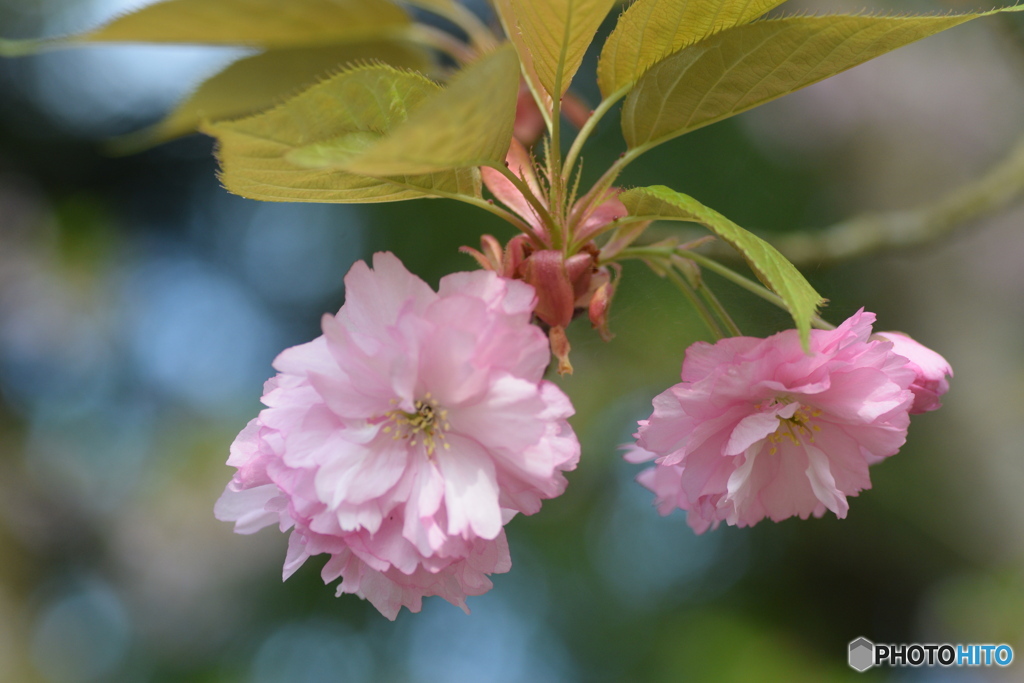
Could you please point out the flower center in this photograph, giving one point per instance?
(427, 425)
(795, 428)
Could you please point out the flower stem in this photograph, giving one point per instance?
(479, 35)
(605, 182)
(719, 310)
(517, 222)
(618, 225)
(440, 41)
(666, 252)
(746, 283)
(545, 215)
(588, 128)
(557, 182)
(687, 289)
(478, 202)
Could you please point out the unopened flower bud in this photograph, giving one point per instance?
(931, 368)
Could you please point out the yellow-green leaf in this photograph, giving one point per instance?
(507, 16)
(771, 267)
(469, 123)
(260, 23)
(650, 30)
(333, 152)
(742, 67)
(258, 153)
(554, 35)
(257, 83)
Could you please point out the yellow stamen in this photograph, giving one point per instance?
(427, 425)
(793, 428)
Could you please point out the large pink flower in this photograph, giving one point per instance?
(757, 428)
(403, 439)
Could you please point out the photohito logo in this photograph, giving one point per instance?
(863, 654)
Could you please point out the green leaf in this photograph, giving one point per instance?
(469, 123)
(259, 23)
(552, 36)
(743, 67)
(770, 267)
(650, 30)
(256, 83)
(335, 151)
(258, 153)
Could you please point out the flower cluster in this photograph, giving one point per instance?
(759, 428)
(401, 441)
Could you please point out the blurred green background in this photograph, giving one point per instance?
(141, 306)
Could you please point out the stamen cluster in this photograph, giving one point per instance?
(796, 428)
(427, 425)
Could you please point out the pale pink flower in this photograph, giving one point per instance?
(402, 440)
(931, 368)
(758, 428)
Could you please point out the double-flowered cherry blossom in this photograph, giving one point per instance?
(760, 428)
(402, 440)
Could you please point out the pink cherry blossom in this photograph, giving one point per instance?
(403, 439)
(931, 368)
(758, 428)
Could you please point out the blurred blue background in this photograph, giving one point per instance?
(141, 306)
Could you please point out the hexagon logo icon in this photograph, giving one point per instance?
(862, 654)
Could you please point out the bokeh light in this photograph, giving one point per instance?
(141, 307)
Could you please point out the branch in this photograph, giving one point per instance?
(861, 235)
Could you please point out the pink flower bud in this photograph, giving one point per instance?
(931, 368)
(600, 304)
(546, 271)
(529, 124)
(580, 267)
(560, 349)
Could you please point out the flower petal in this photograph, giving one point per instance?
(470, 490)
(248, 508)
